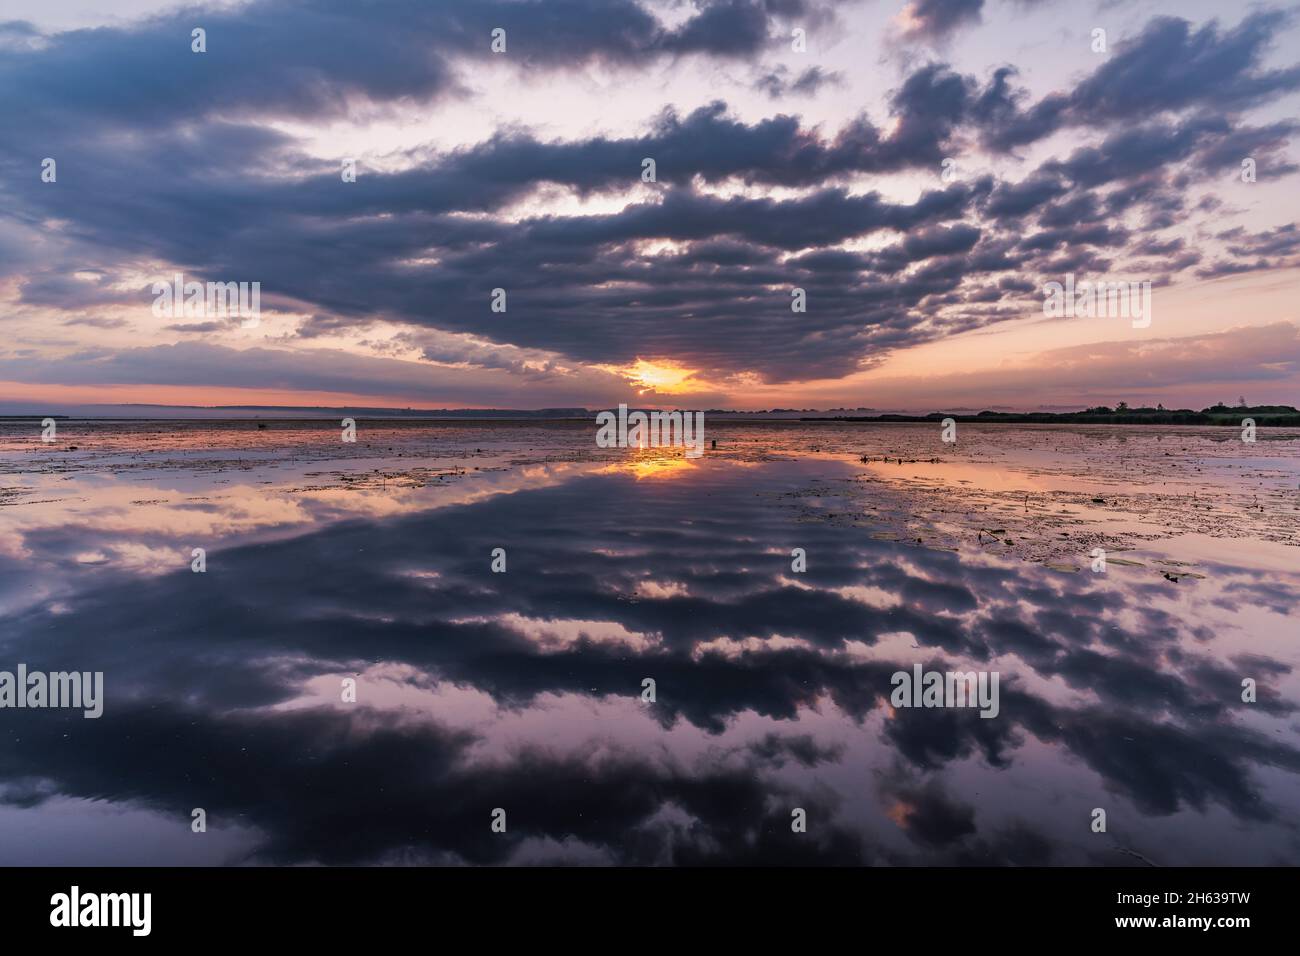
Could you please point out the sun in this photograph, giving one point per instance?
(667, 377)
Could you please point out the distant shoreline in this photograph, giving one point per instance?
(1263, 415)
(1281, 416)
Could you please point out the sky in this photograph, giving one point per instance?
(920, 170)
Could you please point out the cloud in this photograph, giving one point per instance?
(1168, 67)
(776, 83)
(205, 364)
(602, 269)
(937, 19)
(317, 58)
(1106, 370)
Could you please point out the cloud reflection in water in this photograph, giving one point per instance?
(522, 690)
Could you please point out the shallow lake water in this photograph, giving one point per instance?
(524, 690)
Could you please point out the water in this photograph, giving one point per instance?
(523, 690)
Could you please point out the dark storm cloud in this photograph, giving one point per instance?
(1171, 66)
(1094, 234)
(564, 273)
(1078, 209)
(310, 241)
(707, 144)
(940, 240)
(1131, 152)
(1145, 169)
(735, 27)
(1168, 67)
(1013, 200)
(193, 182)
(824, 217)
(313, 57)
(1263, 144)
(928, 107)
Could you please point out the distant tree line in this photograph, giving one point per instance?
(1121, 414)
